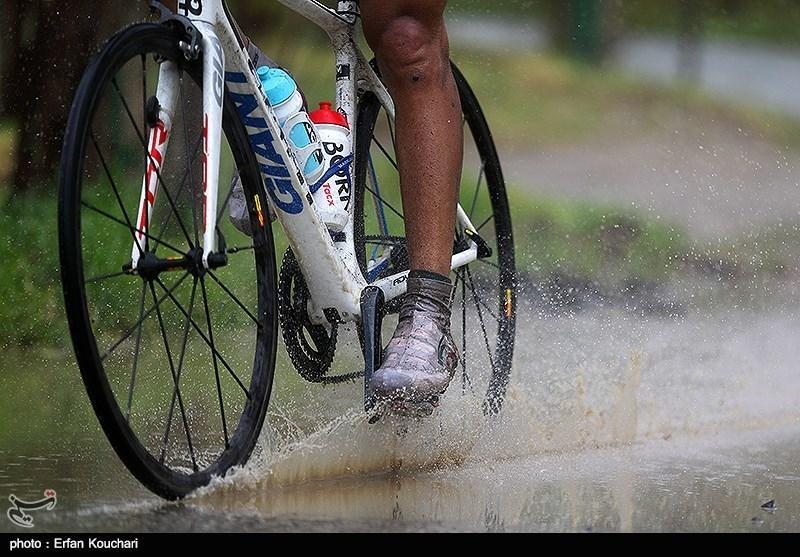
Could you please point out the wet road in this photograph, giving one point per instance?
(691, 484)
(615, 422)
(751, 73)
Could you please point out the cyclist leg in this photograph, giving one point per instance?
(410, 43)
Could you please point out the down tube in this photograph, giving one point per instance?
(331, 284)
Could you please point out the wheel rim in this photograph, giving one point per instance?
(483, 308)
(178, 364)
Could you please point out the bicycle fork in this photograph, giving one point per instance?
(161, 115)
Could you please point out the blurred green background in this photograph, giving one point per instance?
(642, 147)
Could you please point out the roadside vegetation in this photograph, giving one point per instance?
(773, 22)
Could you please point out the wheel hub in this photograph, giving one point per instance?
(150, 266)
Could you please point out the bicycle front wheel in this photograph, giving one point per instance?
(484, 308)
(178, 361)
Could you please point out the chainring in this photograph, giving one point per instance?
(311, 347)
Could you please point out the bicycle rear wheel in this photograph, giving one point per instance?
(484, 304)
(178, 361)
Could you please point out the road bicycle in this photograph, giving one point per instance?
(174, 313)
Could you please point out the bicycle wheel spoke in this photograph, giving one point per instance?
(189, 161)
(183, 183)
(480, 301)
(175, 391)
(144, 91)
(455, 288)
(480, 319)
(383, 242)
(116, 190)
(383, 201)
(149, 157)
(174, 378)
(100, 278)
(237, 249)
(234, 298)
(223, 207)
(145, 128)
(484, 223)
(489, 263)
(477, 189)
(385, 152)
(216, 367)
(380, 214)
(136, 349)
(378, 242)
(465, 381)
(224, 204)
(146, 314)
(146, 234)
(391, 132)
(203, 336)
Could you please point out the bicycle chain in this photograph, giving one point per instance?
(312, 361)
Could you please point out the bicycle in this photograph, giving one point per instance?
(177, 350)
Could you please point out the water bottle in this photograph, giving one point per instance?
(333, 196)
(287, 102)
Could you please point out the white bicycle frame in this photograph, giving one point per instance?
(330, 268)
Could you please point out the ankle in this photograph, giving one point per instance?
(428, 293)
(427, 274)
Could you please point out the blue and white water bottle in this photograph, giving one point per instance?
(287, 102)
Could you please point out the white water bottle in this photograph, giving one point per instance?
(287, 102)
(333, 196)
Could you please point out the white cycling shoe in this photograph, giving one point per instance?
(421, 358)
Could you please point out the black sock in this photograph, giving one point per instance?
(422, 273)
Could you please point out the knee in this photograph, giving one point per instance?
(411, 51)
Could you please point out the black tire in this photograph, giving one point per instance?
(499, 283)
(97, 313)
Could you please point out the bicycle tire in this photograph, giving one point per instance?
(171, 482)
(367, 115)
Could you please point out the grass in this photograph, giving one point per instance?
(8, 140)
(534, 100)
(32, 307)
(773, 22)
(602, 243)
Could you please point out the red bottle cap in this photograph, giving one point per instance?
(326, 115)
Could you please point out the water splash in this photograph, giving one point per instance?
(580, 382)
